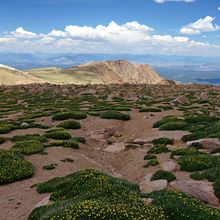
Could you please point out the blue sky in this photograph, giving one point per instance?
(127, 26)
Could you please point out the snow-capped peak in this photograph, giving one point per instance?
(6, 67)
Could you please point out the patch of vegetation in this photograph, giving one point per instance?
(197, 162)
(93, 195)
(162, 174)
(58, 135)
(157, 149)
(184, 152)
(69, 115)
(72, 143)
(2, 140)
(172, 126)
(13, 167)
(69, 124)
(150, 110)
(163, 140)
(165, 120)
(29, 137)
(28, 147)
(180, 206)
(151, 163)
(51, 166)
(4, 128)
(115, 115)
(150, 157)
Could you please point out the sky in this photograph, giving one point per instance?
(182, 27)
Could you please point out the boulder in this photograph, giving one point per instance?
(208, 143)
(181, 100)
(115, 148)
(204, 96)
(170, 166)
(199, 189)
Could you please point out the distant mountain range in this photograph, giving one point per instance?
(185, 69)
(107, 72)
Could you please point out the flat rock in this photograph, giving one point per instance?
(170, 166)
(115, 148)
(199, 189)
(148, 186)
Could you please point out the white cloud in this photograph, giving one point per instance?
(199, 26)
(163, 1)
(219, 8)
(21, 33)
(130, 37)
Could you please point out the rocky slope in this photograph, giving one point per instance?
(122, 71)
(107, 72)
(11, 76)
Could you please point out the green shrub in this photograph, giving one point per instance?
(72, 143)
(151, 163)
(157, 149)
(13, 167)
(150, 110)
(165, 120)
(2, 140)
(51, 166)
(59, 135)
(184, 152)
(69, 115)
(163, 140)
(211, 174)
(216, 187)
(150, 157)
(180, 206)
(4, 128)
(93, 195)
(162, 174)
(197, 162)
(29, 137)
(69, 124)
(115, 115)
(28, 147)
(171, 126)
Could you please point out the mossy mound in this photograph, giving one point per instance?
(13, 167)
(93, 195)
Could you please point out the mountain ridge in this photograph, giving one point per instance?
(105, 72)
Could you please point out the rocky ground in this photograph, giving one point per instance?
(116, 147)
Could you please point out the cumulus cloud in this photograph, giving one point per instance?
(21, 33)
(131, 37)
(219, 8)
(164, 1)
(199, 26)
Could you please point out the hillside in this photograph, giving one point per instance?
(100, 73)
(11, 76)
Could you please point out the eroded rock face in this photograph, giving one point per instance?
(198, 189)
(170, 166)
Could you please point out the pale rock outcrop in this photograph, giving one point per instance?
(199, 189)
(170, 166)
